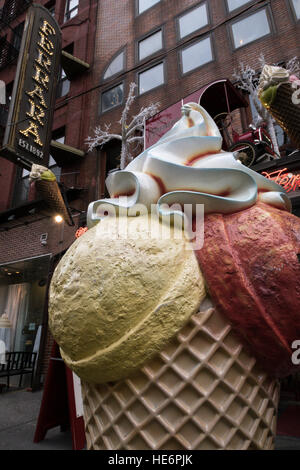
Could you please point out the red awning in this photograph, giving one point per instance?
(221, 97)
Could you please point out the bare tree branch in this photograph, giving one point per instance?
(135, 139)
(127, 132)
(247, 79)
(293, 66)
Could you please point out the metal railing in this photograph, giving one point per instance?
(12, 9)
(3, 115)
(8, 53)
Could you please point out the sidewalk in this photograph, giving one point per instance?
(19, 412)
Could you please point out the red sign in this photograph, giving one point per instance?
(288, 180)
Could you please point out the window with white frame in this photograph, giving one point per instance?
(296, 8)
(52, 165)
(116, 66)
(234, 4)
(151, 78)
(196, 55)
(249, 29)
(71, 9)
(112, 97)
(193, 20)
(145, 4)
(150, 44)
(63, 86)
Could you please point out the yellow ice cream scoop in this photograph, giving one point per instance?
(120, 294)
(48, 176)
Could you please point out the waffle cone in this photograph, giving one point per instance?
(50, 192)
(286, 113)
(203, 391)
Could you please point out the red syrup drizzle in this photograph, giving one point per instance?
(160, 184)
(192, 160)
(263, 190)
(125, 194)
(164, 190)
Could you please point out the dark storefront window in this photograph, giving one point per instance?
(23, 287)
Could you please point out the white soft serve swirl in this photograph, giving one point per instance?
(187, 166)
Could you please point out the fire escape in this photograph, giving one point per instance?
(8, 50)
(12, 9)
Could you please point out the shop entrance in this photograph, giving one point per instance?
(23, 287)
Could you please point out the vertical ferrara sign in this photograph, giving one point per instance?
(28, 131)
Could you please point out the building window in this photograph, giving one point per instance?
(296, 8)
(145, 5)
(193, 20)
(151, 44)
(63, 86)
(115, 66)
(51, 7)
(234, 4)
(112, 97)
(21, 189)
(249, 29)
(71, 9)
(52, 165)
(196, 55)
(151, 78)
(17, 38)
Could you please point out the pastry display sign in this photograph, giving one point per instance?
(28, 131)
(285, 178)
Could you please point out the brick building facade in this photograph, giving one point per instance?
(170, 49)
(182, 46)
(31, 242)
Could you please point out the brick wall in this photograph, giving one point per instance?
(123, 29)
(20, 239)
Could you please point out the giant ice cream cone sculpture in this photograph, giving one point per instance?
(179, 344)
(47, 186)
(278, 93)
(202, 391)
